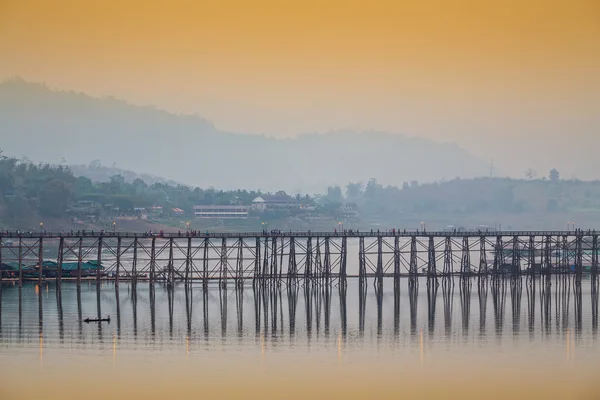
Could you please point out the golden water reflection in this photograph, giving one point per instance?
(514, 340)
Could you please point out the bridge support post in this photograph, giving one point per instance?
(547, 262)
(498, 255)
(79, 260)
(20, 262)
(170, 265)
(465, 262)
(579, 257)
(362, 272)
(448, 260)
(483, 267)
(223, 266)
(134, 275)
(273, 268)
(153, 261)
(40, 262)
(344, 256)
(412, 269)
(1, 271)
(99, 261)
(118, 273)
(431, 264)
(531, 262)
(308, 261)
(318, 265)
(205, 265)
(327, 262)
(516, 258)
(292, 267)
(257, 260)
(188, 261)
(379, 274)
(594, 258)
(396, 258)
(240, 264)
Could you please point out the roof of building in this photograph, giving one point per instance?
(279, 197)
(216, 208)
(177, 210)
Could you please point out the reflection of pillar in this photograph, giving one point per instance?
(223, 304)
(188, 309)
(59, 309)
(594, 298)
(413, 293)
(515, 298)
(465, 304)
(482, 291)
(343, 309)
(362, 300)
(292, 305)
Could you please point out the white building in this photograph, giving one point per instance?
(221, 212)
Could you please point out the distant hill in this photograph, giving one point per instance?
(102, 173)
(57, 126)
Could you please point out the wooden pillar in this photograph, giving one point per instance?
(498, 254)
(205, 264)
(153, 261)
(223, 267)
(99, 260)
(308, 261)
(396, 257)
(344, 257)
(240, 263)
(20, 262)
(61, 250)
(292, 268)
(532, 270)
(188, 260)
(79, 260)
(379, 261)
(483, 268)
(362, 268)
(265, 266)
(412, 271)
(516, 258)
(118, 272)
(40, 261)
(1, 271)
(465, 265)
(134, 263)
(431, 262)
(579, 256)
(594, 256)
(257, 260)
(327, 261)
(318, 266)
(547, 256)
(170, 267)
(273, 269)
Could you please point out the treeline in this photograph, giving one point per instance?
(28, 190)
(468, 196)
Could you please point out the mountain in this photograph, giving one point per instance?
(59, 126)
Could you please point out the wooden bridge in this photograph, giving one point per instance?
(293, 257)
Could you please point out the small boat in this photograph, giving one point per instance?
(88, 320)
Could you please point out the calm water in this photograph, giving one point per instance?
(515, 338)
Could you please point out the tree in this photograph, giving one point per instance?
(530, 174)
(54, 198)
(354, 190)
(554, 175)
(334, 194)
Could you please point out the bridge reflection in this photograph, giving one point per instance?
(540, 306)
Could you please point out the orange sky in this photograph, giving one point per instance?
(447, 70)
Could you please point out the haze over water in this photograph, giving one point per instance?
(510, 339)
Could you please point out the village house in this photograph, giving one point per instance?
(277, 201)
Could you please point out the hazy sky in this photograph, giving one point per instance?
(513, 80)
